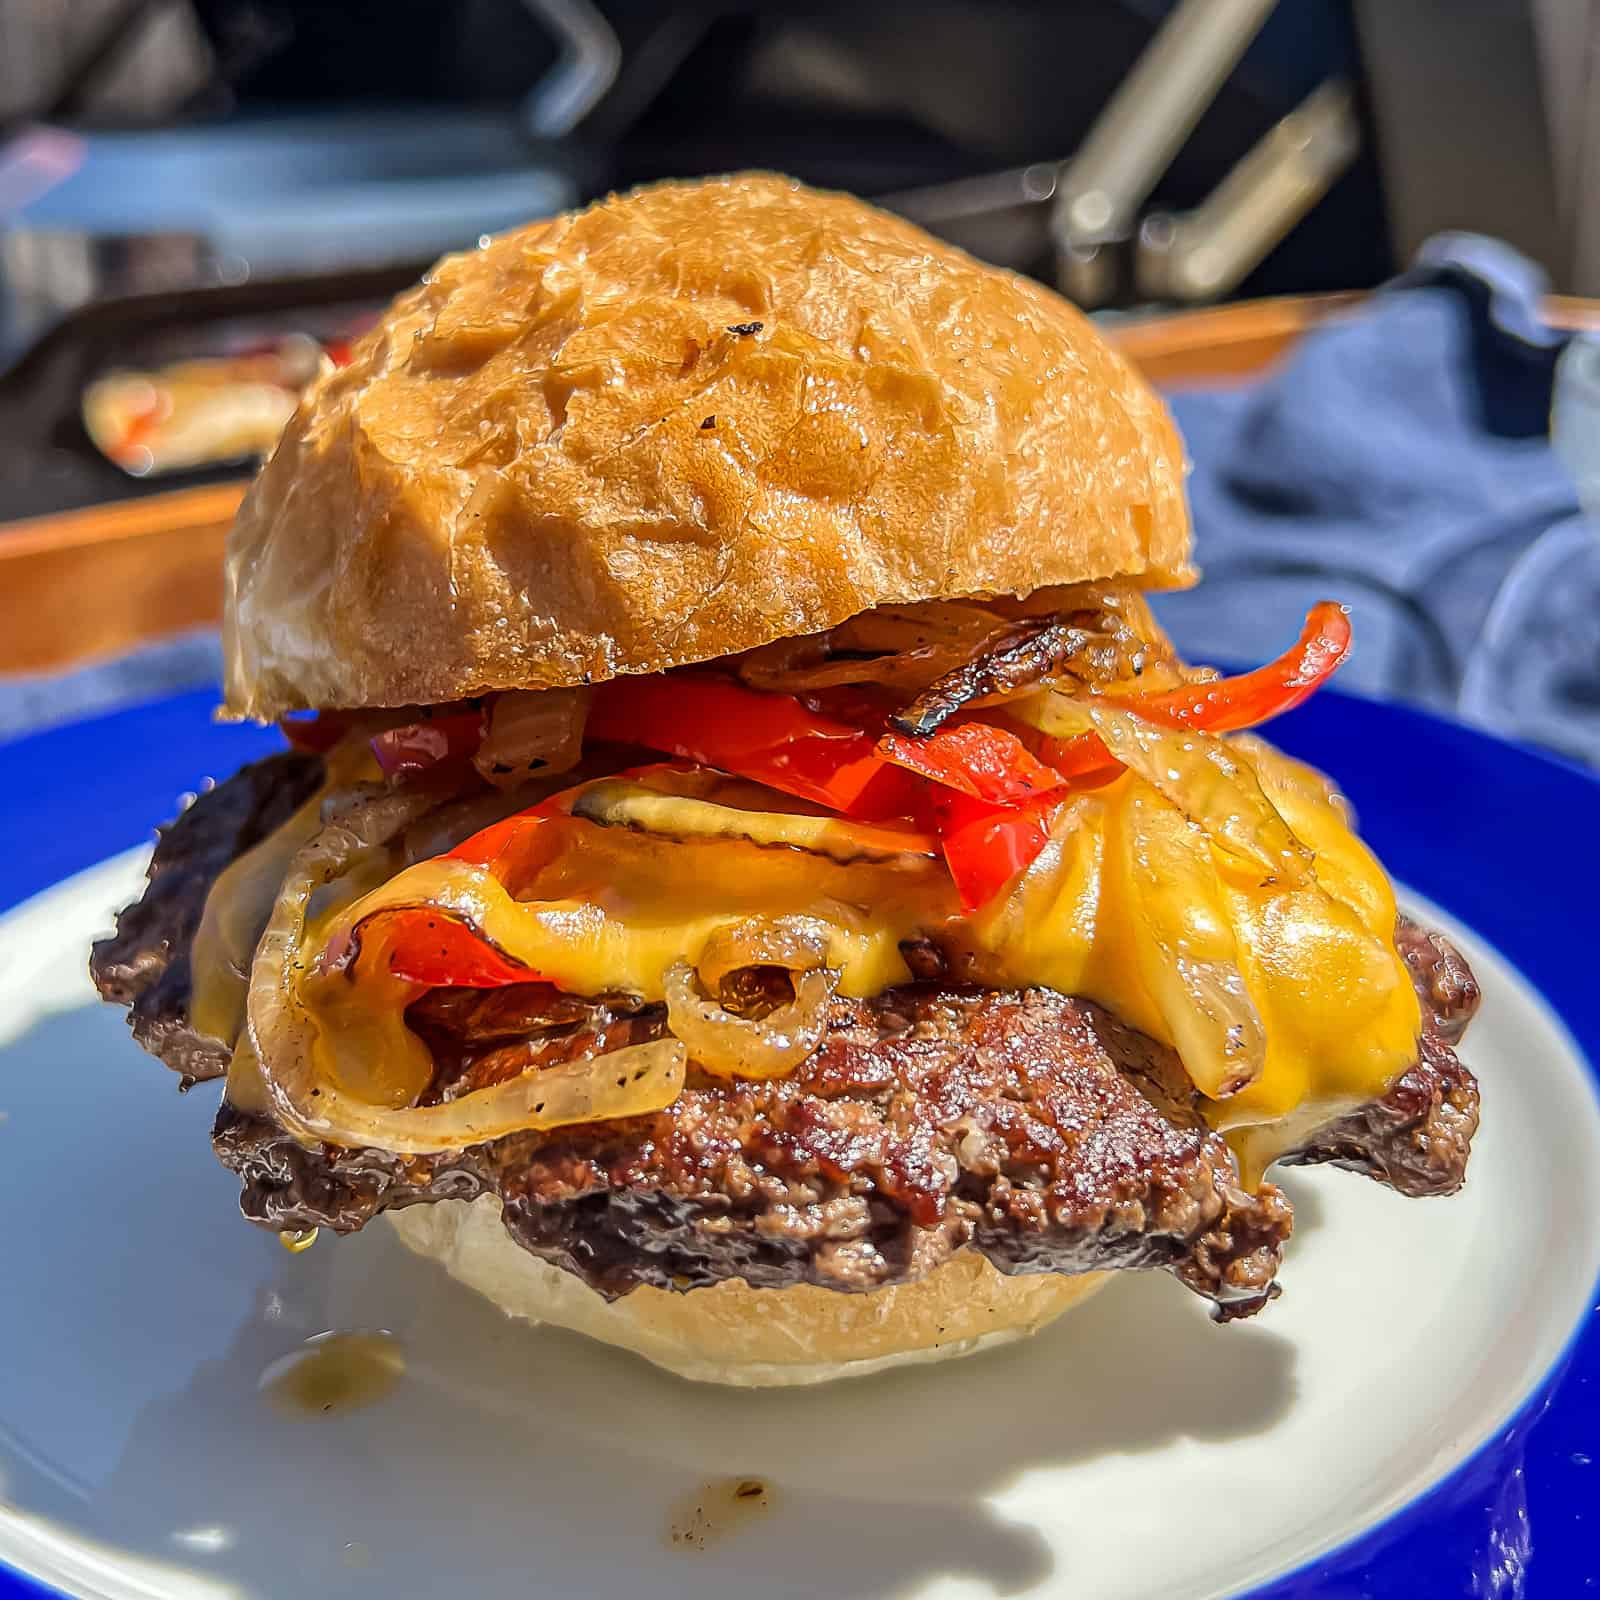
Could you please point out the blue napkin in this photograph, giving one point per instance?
(1400, 461)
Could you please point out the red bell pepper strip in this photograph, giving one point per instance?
(436, 948)
(317, 734)
(976, 758)
(1226, 705)
(986, 846)
(439, 951)
(488, 845)
(420, 746)
(430, 948)
(768, 738)
(499, 846)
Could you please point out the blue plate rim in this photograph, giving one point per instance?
(159, 747)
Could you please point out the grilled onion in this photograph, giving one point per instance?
(315, 1102)
(1129, 650)
(1186, 947)
(1007, 664)
(748, 1047)
(897, 647)
(1062, 716)
(948, 654)
(238, 906)
(798, 944)
(1211, 785)
(532, 731)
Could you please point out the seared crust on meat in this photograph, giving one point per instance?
(1445, 984)
(144, 965)
(1417, 1137)
(1032, 1126)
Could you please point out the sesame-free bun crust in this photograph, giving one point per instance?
(553, 462)
(733, 1334)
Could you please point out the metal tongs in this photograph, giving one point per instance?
(1096, 196)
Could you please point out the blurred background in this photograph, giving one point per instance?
(201, 200)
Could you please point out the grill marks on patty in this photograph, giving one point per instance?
(1027, 1124)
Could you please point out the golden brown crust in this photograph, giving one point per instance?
(571, 455)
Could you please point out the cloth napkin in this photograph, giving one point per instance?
(1400, 461)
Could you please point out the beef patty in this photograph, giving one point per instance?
(145, 964)
(1030, 1125)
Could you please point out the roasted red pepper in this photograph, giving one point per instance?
(318, 733)
(975, 758)
(768, 738)
(436, 949)
(503, 845)
(489, 845)
(424, 950)
(1226, 705)
(986, 846)
(439, 951)
(1229, 704)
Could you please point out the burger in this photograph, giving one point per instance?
(748, 879)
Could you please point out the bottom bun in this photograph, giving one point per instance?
(731, 1333)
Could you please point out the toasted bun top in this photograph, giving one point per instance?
(681, 423)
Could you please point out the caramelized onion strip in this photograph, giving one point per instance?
(532, 732)
(748, 1047)
(309, 1101)
(798, 944)
(1210, 785)
(1007, 664)
(896, 647)
(1187, 949)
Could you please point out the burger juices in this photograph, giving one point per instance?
(750, 879)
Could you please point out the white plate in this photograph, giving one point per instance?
(1135, 1450)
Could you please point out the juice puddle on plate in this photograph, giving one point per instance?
(334, 1372)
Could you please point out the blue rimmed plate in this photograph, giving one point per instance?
(1417, 1415)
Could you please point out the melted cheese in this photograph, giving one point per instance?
(1098, 917)
(617, 909)
(237, 910)
(1283, 995)
(236, 914)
